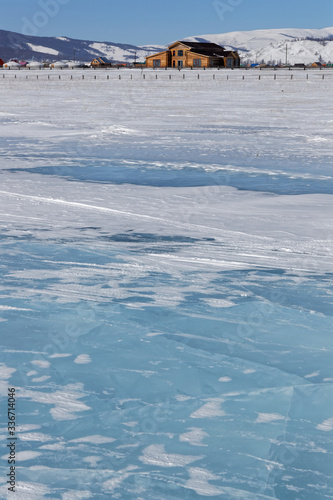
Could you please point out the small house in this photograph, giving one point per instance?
(1, 63)
(101, 62)
(185, 54)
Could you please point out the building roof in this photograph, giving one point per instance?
(157, 54)
(202, 45)
(206, 49)
(102, 60)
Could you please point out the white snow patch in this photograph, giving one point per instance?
(198, 482)
(82, 359)
(35, 436)
(44, 50)
(92, 460)
(326, 426)
(41, 363)
(66, 402)
(76, 495)
(10, 308)
(311, 375)
(194, 436)
(210, 409)
(96, 439)
(225, 379)
(23, 456)
(268, 417)
(155, 454)
(183, 397)
(130, 424)
(27, 491)
(5, 373)
(219, 303)
(60, 355)
(53, 447)
(41, 379)
(27, 427)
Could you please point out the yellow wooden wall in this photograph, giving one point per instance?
(191, 56)
(163, 56)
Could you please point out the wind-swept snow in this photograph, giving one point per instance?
(165, 302)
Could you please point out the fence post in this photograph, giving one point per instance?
(198, 76)
(82, 77)
(183, 76)
(59, 77)
(274, 77)
(259, 77)
(323, 77)
(119, 77)
(291, 77)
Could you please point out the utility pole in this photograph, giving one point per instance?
(74, 55)
(135, 57)
(286, 55)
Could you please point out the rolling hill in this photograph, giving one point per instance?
(304, 46)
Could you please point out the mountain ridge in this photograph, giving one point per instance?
(303, 46)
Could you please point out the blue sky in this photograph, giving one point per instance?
(152, 22)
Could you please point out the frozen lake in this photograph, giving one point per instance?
(166, 291)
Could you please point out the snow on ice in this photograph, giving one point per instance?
(166, 267)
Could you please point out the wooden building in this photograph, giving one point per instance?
(194, 55)
(316, 65)
(100, 62)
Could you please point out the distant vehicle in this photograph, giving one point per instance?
(59, 65)
(75, 64)
(12, 65)
(35, 65)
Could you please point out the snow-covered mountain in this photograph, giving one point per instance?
(14, 45)
(304, 45)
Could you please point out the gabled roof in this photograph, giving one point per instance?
(157, 54)
(203, 45)
(102, 60)
(203, 48)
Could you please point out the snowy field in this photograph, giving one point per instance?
(166, 299)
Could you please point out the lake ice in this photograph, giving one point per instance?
(166, 298)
